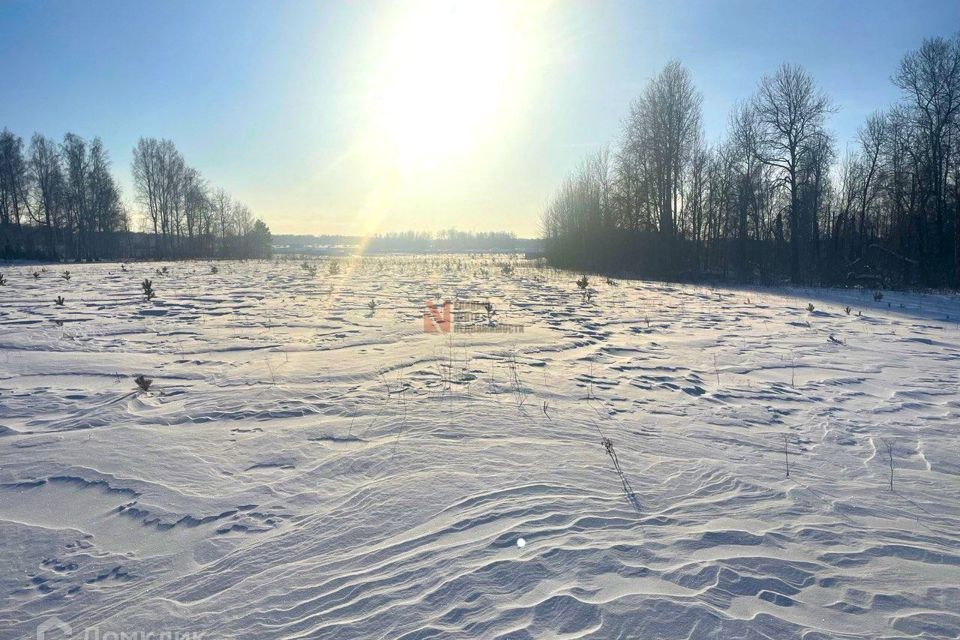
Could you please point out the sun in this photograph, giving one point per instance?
(449, 72)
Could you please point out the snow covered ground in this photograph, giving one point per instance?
(305, 467)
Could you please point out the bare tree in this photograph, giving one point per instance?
(107, 214)
(744, 141)
(146, 181)
(930, 80)
(790, 114)
(158, 170)
(14, 187)
(871, 138)
(222, 211)
(47, 177)
(74, 154)
(663, 130)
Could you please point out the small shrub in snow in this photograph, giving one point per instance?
(334, 268)
(847, 309)
(65, 275)
(627, 489)
(608, 447)
(36, 275)
(143, 382)
(810, 307)
(519, 390)
(889, 445)
(582, 283)
(786, 452)
(148, 291)
(59, 301)
(3, 280)
(488, 307)
(213, 268)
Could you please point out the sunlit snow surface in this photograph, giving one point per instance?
(303, 467)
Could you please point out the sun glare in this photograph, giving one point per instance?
(450, 71)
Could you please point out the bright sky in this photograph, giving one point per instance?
(351, 117)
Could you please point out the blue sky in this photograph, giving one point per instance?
(273, 100)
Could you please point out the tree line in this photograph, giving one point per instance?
(61, 201)
(775, 198)
(444, 241)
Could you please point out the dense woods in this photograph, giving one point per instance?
(776, 198)
(60, 201)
